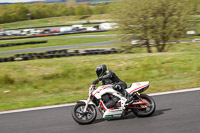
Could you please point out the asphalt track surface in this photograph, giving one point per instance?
(57, 47)
(43, 38)
(175, 113)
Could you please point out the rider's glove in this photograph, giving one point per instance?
(100, 78)
(96, 81)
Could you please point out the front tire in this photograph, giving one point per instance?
(149, 110)
(84, 118)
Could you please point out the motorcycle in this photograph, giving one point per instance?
(111, 104)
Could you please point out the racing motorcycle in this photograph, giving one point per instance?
(111, 103)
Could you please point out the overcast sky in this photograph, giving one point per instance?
(14, 1)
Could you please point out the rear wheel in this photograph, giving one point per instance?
(84, 118)
(149, 108)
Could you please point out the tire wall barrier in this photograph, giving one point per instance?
(56, 54)
(21, 43)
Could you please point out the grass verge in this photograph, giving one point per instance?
(65, 80)
(63, 20)
(57, 42)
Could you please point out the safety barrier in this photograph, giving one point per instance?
(58, 54)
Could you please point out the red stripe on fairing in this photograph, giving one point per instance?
(102, 105)
(101, 90)
(139, 88)
(95, 93)
(106, 87)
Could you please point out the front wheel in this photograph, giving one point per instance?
(148, 110)
(82, 117)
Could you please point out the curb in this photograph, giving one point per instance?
(71, 104)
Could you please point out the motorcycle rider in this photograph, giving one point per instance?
(109, 77)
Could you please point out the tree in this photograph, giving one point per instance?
(70, 3)
(196, 6)
(80, 10)
(159, 20)
(100, 9)
(18, 11)
(71, 11)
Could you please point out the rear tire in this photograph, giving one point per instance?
(151, 106)
(79, 117)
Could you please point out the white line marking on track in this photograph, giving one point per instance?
(172, 92)
(71, 104)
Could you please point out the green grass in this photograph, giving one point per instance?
(57, 42)
(64, 20)
(65, 80)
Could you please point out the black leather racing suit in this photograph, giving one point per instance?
(111, 78)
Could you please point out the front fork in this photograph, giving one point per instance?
(86, 105)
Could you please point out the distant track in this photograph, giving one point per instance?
(43, 38)
(56, 47)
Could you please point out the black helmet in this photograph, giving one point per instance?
(100, 70)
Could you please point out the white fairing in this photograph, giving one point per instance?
(137, 86)
(85, 101)
(113, 113)
(101, 90)
(108, 112)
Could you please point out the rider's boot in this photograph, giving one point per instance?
(124, 93)
(128, 97)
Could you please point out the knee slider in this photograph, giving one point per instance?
(117, 87)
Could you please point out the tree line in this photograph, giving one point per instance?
(160, 21)
(21, 11)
